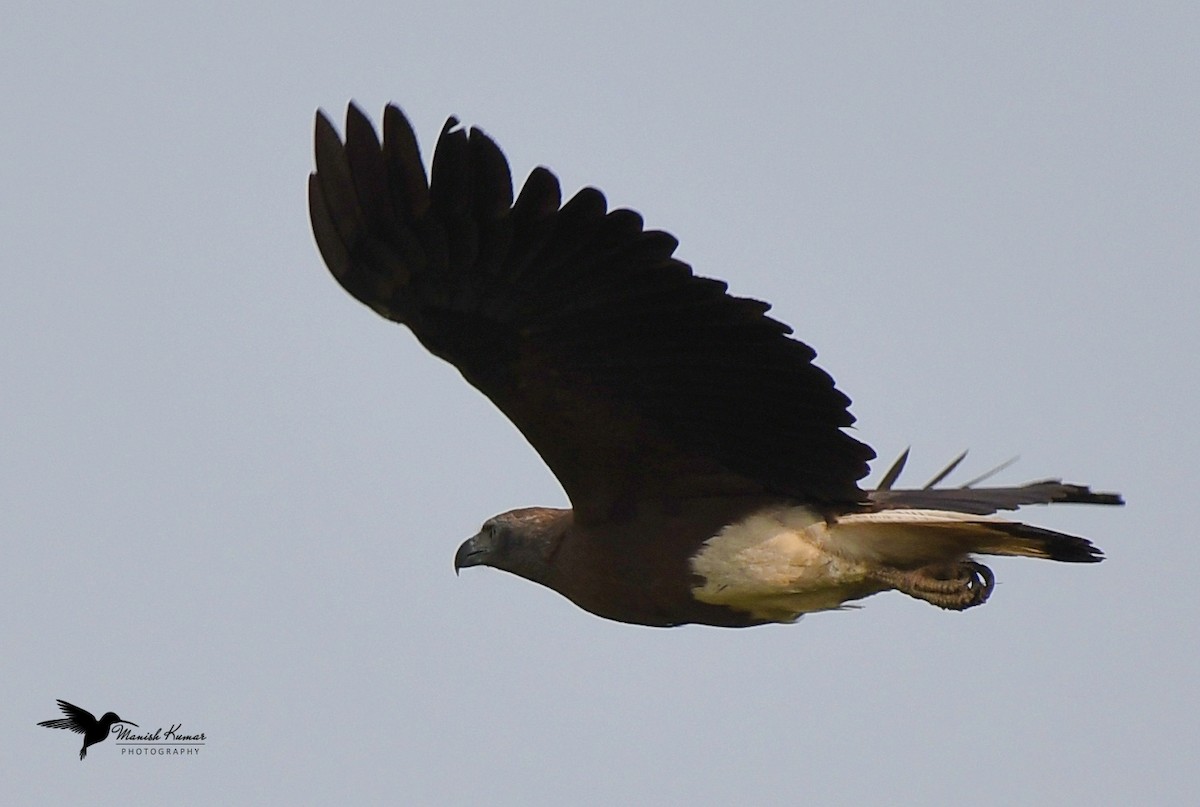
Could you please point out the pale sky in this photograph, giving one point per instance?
(230, 495)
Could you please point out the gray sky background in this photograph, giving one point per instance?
(230, 495)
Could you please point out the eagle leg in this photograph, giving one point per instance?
(955, 587)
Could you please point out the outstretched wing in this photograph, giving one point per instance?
(977, 500)
(631, 377)
(76, 720)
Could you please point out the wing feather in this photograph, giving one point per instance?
(980, 501)
(76, 720)
(632, 377)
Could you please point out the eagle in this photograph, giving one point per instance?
(706, 458)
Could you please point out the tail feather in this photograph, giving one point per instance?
(912, 538)
(923, 541)
(1036, 542)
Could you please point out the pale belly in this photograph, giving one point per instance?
(776, 566)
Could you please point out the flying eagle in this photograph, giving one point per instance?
(704, 454)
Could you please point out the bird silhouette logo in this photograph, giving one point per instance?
(82, 722)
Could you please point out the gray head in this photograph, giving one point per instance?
(520, 541)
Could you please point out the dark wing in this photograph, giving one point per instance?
(980, 501)
(76, 720)
(629, 375)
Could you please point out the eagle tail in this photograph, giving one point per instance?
(908, 538)
(927, 554)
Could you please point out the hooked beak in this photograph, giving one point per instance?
(471, 553)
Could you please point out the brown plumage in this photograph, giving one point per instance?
(672, 413)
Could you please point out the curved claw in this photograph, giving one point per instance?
(954, 587)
